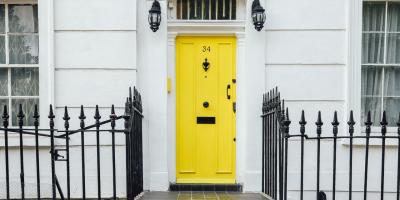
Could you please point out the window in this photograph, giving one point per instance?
(206, 9)
(19, 60)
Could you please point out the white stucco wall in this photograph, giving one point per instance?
(99, 48)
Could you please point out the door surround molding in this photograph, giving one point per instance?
(171, 99)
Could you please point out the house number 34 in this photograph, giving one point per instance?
(206, 48)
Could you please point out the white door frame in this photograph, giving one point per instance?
(235, 28)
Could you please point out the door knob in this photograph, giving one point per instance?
(206, 104)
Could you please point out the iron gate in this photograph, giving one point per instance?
(62, 154)
(278, 140)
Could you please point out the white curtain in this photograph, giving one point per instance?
(375, 77)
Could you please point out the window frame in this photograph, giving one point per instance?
(9, 67)
(355, 36)
(46, 66)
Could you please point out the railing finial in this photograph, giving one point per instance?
(20, 115)
(383, 123)
(36, 116)
(351, 123)
(97, 113)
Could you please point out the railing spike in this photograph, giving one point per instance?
(287, 114)
(351, 119)
(36, 116)
(112, 110)
(36, 112)
(20, 114)
(351, 123)
(335, 121)
(97, 113)
(384, 121)
(51, 113)
(82, 114)
(398, 122)
(303, 119)
(66, 115)
(319, 120)
(368, 122)
(5, 112)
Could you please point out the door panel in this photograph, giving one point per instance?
(206, 93)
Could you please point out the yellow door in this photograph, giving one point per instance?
(206, 95)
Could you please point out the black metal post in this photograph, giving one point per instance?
(20, 117)
(302, 131)
(112, 117)
(319, 124)
(383, 123)
(351, 132)
(97, 117)
(368, 124)
(66, 126)
(52, 153)
(36, 124)
(82, 117)
(263, 144)
(335, 124)
(5, 124)
(286, 124)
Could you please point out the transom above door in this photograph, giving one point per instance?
(207, 10)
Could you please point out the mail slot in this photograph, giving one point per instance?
(205, 120)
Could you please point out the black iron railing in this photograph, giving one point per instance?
(133, 142)
(277, 140)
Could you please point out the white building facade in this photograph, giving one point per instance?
(323, 55)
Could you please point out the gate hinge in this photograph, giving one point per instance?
(234, 107)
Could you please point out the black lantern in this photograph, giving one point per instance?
(155, 16)
(258, 15)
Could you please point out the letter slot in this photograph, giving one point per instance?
(205, 120)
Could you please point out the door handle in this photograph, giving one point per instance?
(227, 91)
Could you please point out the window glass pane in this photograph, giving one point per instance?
(2, 50)
(23, 18)
(3, 102)
(373, 47)
(392, 81)
(393, 48)
(392, 107)
(374, 16)
(28, 107)
(24, 49)
(371, 81)
(394, 17)
(25, 82)
(2, 19)
(372, 104)
(3, 82)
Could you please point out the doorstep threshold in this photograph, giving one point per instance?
(206, 187)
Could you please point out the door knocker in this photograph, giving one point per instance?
(206, 65)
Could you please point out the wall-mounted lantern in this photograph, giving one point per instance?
(258, 15)
(155, 16)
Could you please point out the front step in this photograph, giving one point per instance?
(206, 187)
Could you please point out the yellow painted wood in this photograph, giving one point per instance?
(206, 153)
